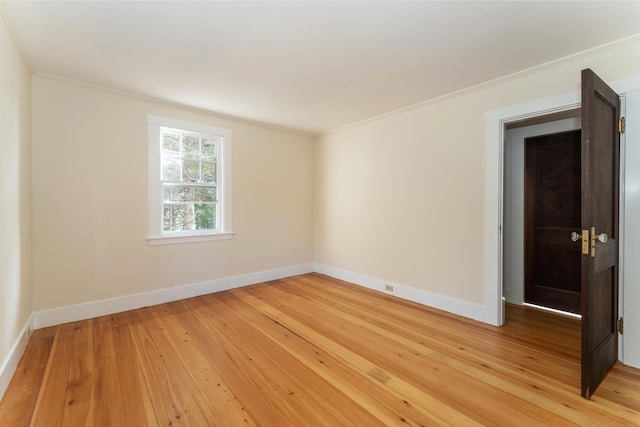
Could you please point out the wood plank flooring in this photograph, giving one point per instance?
(311, 351)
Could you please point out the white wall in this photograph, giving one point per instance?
(513, 222)
(402, 198)
(90, 199)
(399, 199)
(15, 206)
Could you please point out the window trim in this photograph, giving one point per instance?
(156, 234)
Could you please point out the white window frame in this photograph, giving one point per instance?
(157, 235)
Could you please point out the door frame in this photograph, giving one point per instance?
(514, 196)
(496, 122)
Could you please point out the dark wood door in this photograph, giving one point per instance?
(552, 213)
(599, 259)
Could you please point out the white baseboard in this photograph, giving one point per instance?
(72, 313)
(9, 365)
(441, 302)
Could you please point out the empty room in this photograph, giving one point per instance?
(323, 213)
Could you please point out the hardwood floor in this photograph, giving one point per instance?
(311, 351)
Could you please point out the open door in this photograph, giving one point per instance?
(600, 156)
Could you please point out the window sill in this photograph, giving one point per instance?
(188, 238)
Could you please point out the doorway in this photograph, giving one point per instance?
(496, 122)
(602, 123)
(528, 279)
(552, 232)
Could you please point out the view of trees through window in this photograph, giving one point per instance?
(189, 180)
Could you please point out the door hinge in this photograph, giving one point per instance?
(621, 125)
(620, 325)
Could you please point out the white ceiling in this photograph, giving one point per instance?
(313, 66)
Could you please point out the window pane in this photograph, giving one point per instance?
(208, 172)
(170, 169)
(167, 193)
(170, 142)
(208, 150)
(187, 207)
(205, 194)
(177, 217)
(189, 216)
(191, 147)
(178, 194)
(191, 170)
(205, 216)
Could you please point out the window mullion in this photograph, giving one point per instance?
(190, 184)
(181, 151)
(200, 158)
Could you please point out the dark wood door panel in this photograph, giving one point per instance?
(558, 267)
(557, 179)
(600, 154)
(552, 213)
(557, 236)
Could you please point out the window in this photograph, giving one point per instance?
(189, 181)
